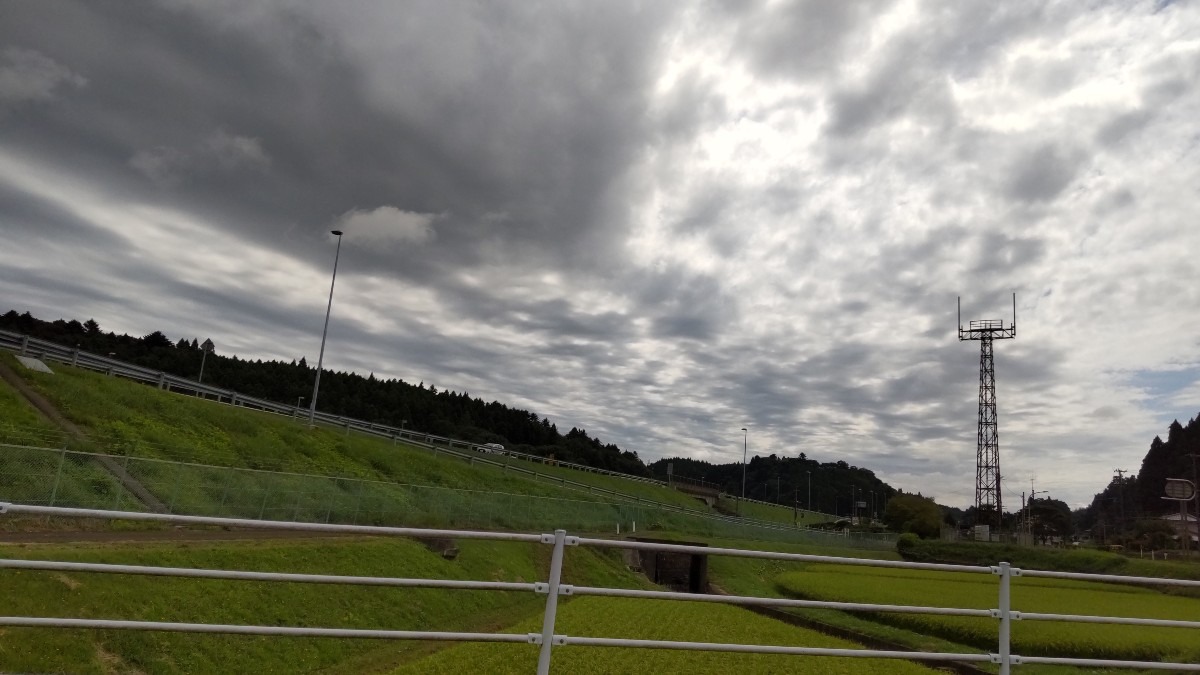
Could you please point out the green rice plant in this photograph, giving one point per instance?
(94, 595)
(657, 620)
(1029, 594)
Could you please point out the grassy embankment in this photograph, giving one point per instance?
(777, 514)
(124, 417)
(141, 422)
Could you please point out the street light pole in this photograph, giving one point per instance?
(312, 405)
(745, 447)
(204, 350)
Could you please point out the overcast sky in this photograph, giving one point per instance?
(658, 221)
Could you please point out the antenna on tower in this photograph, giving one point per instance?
(987, 458)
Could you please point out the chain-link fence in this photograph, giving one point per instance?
(62, 477)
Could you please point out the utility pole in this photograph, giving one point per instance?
(1028, 515)
(1024, 514)
(1121, 494)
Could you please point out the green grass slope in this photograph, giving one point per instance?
(19, 422)
(319, 474)
(124, 417)
(773, 513)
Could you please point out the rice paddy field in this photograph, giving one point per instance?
(1029, 594)
(660, 620)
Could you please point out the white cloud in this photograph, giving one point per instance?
(387, 225)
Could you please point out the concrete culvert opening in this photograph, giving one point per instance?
(683, 572)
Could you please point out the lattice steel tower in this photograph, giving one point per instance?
(987, 461)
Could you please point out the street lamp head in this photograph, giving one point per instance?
(744, 429)
(337, 232)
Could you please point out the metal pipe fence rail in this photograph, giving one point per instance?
(547, 639)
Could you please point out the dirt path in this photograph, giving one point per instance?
(47, 410)
(39, 402)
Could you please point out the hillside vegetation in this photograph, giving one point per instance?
(393, 402)
(393, 483)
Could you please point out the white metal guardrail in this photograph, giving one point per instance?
(470, 452)
(553, 588)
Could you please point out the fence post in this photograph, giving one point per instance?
(58, 475)
(1004, 657)
(560, 540)
(24, 345)
(74, 357)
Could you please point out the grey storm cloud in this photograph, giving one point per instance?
(660, 222)
(1042, 173)
(802, 39)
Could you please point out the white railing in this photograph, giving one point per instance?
(467, 450)
(547, 639)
